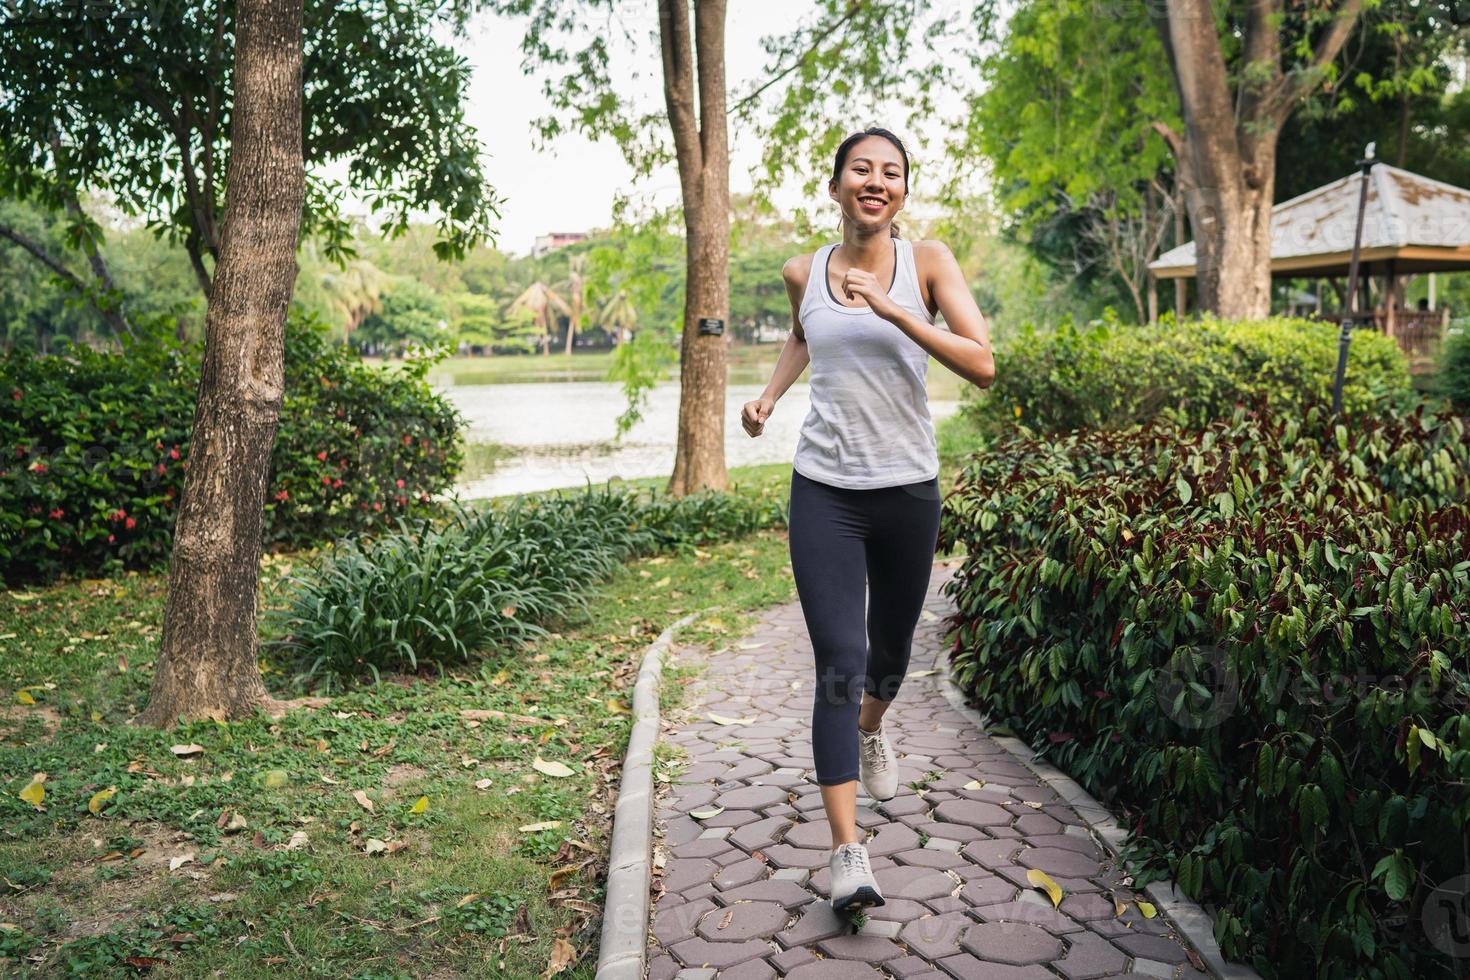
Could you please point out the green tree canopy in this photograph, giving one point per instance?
(135, 101)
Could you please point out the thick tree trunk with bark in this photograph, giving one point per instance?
(1228, 151)
(207, 666)
(702, 148)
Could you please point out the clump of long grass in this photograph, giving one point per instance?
(483, 581)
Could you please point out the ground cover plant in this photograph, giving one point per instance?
(1110, 374)
(93, 448)
(477, 844)
(481, 583)
(1252, 640)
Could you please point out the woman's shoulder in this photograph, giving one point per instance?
(931, 250)
(797, 270)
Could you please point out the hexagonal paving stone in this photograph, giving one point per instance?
(891, 839)
(963, 966)
(917, 884)
(786, 856)
(740, 873)
(749, 970)
(1085, 908)
(1059, 861)
(681, 874)
(751, 798)
(745, 920)
(761, 833)
(992, 853)
(972, 812)
(1090, 956)
(1037, 824)
(834, 970)
(812, 833)
(817, 922)
(1035, 913)
(701, 952)
(1153, 948)
(787, 894)
(1011, 942)
(672, 923)
(926, 857)
(934, 936)
(867, 949)
(987, 890)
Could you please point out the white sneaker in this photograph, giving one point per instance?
(877, 769)
(853, 884)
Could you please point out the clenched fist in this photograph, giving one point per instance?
(753, 416)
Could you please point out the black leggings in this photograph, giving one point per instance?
(840, 538)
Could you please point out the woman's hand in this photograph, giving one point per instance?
(753, 416)
(860, 282)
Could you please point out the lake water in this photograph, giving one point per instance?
(564, 431)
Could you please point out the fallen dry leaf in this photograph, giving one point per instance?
(363, 801)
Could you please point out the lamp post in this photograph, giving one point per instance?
(1364, 166)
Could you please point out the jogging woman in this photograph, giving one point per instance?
(865, 478)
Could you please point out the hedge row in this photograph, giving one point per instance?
(96, 444)
(432, 594)
(1111, 375)
(1253, 640)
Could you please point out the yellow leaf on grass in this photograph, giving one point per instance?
(661, 582)
(95, 804)
(374, 846)
(363, 801)
(531, 828)
(617, 706)
(563, 955)
(727, 720)
(34, 793)
(1042, 880)
(24, 697)
(275, 778)
(551, 767)
(420, 805)
(1148, 910)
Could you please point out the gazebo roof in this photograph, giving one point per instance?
(1423, 225)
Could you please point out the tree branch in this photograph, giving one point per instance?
(852, 9)
(678, 59)
(1294, 87)
(113, 311)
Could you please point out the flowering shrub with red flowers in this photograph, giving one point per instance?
(94, 447)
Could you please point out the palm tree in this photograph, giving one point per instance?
(575, 285)
(543, 304)
(619, 315)
(354, 293)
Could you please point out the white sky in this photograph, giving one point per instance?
(573, 188)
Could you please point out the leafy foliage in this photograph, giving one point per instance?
(428, 595)
(1454, 370)
(96, 444)
(1252, 638)
(1196, 371)
(149, 96)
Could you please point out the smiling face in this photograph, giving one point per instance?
(870, 190)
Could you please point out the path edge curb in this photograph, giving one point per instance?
(1188, 919)
(623, 948)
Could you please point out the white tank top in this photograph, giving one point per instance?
(869, 423)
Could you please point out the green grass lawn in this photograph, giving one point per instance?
(253, 855)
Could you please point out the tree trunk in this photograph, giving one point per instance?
(207, 666)
(702, 148)
(1229, 144)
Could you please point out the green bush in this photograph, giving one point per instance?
(1252, 640)
(428, 595)
(1454, 370)
(1111, 375)
(95, 447)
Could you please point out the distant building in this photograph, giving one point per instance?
(554, 241)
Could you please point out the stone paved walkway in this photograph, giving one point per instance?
(743, 894)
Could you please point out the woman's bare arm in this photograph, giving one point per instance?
(794, 356)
